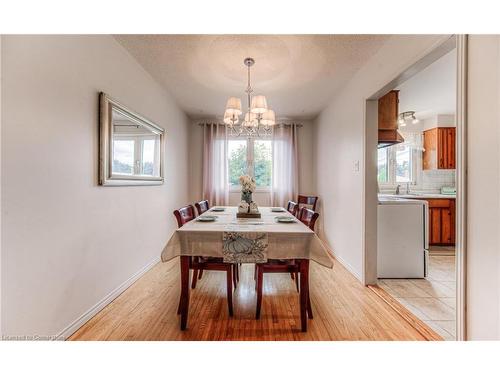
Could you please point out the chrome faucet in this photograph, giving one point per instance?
(397, 189)
(407, 188)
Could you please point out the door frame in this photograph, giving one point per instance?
(370, 201)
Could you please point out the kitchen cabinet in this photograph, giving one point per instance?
(441, 221)
(388, 107)
(388, 111)
(439, 145)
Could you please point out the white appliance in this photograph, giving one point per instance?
(402, 238)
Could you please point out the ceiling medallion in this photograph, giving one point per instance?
(258, 120)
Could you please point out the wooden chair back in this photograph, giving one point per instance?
(308, 217)
(307, 201)
(202, 206)
(184, 215)
(292, 207)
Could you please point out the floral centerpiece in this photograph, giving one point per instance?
(247, 188)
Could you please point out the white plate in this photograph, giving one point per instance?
(206, 218)
(285, 219)
(218, 209)
(277, 209)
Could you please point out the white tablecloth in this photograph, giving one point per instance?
(285, 240)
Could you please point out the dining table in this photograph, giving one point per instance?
(278, 239)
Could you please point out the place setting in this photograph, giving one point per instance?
(285, 219)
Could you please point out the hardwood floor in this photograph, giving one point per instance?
(343, 310)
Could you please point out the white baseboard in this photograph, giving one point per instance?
(345, 264)
(355, 273)
(73, 327)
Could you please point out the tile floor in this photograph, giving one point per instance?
(431, 299)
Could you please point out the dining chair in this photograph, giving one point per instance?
(202, 206)
(307, 201)
(292, 266)
(292, 207)
(198, 263)
(308, 217)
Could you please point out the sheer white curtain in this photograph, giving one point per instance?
(285, 177)
(215, 164)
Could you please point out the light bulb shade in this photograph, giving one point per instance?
(268, 118)
(259, 104)
(230, 118)
(233, 106)
(415, 120)
(250, 119)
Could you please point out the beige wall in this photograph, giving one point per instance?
(340, 136)
(307, 178)
(483, 243)
(67, 242)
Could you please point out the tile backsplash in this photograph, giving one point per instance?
(433, 180)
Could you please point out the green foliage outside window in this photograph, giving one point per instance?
(262, 162)
(237, 162)
(382, 173)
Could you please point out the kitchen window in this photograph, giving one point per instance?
(397, 165)
(253, 157)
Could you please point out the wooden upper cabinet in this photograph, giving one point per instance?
(430, 155)
(388, 111)
(450, 139)
(439, 145)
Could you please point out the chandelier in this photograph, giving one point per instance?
(258, 120)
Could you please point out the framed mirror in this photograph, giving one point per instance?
(131, 147)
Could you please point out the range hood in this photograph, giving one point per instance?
(388, 107)
(388, 138)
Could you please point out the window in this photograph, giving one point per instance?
(237, 154)
(403, 163)
(263, 165)
(148, 156)
(383, 165)
(252, 157)
(123, 156)
(396, 164)
(136, 155)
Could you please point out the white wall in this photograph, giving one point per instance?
(483, 243)
(1, 326)
(340, 133)
(307, 178)
(67, 242)
(340, 144)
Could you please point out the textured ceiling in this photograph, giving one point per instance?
(433, 90)
(298, 73)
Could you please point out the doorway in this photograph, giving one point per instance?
(432, 288)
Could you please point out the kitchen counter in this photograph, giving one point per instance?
(418, 196)
(389, 199)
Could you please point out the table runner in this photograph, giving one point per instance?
(244, 247)
(285, 241)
